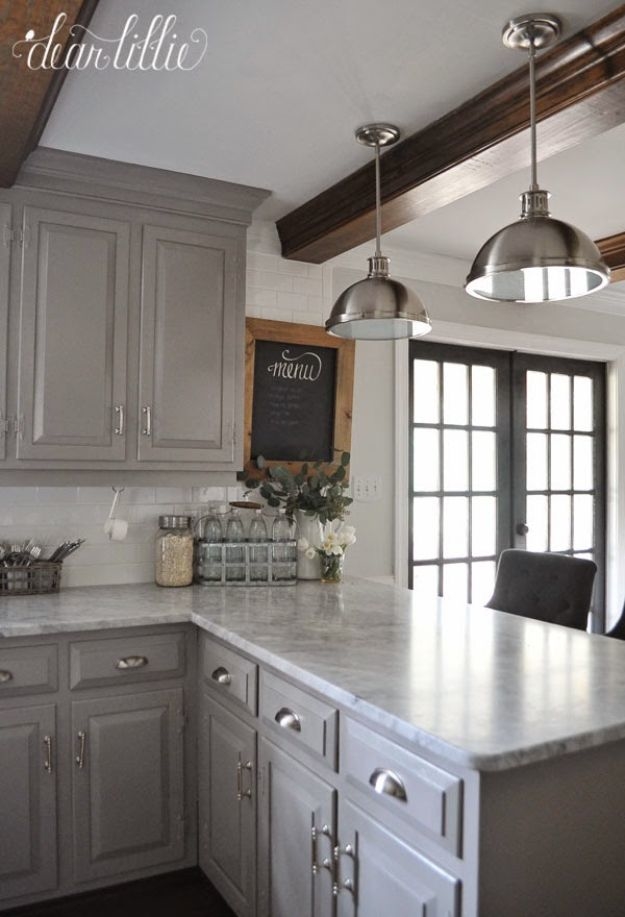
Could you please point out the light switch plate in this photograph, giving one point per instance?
(367, 488)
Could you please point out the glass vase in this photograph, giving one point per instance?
(332, 568)
(308, 527)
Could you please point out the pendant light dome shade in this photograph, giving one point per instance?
(378, 308)
(536, 259)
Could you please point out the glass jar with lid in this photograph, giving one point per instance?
(174, 551)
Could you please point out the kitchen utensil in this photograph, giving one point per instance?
(116, 529)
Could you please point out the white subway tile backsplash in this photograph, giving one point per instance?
(298, 268)
(265, 280)
(260, 299)
(306, 285)
(292, 301)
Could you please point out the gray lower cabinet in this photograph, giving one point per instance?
(227, 804)
(189, 333)
(5, 277)
(297, 821)
(128, 783)
(73, 337)
(28, 862)
(377, 873)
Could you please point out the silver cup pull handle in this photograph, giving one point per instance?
(131, 662)
(388, 783)
(5, 676)
(288, 719)
(222, 676)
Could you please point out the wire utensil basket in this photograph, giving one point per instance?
(36, 579)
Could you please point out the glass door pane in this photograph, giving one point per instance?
(558, 457)
(459, 521)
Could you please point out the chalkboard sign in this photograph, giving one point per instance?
(298, 403)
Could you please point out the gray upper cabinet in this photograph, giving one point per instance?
(27, 801)
(188, 343)
(73, 337)
(128, 788)
(6, 233)
(125, 311)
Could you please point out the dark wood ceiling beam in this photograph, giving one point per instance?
(27, 96)
(581, 93)
(613, 250)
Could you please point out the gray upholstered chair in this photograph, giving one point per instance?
(546, 587)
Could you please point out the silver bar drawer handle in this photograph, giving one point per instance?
(80, 757)
(146, 410)
(389, 783)
(222, 676)
(131, 662)
(241, 793)
(47, 761)
(288, 719)
(121, 420)
(5, 676)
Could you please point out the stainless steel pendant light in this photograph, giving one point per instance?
(378, 308)
(536, 259)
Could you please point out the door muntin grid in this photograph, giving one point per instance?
(459, 451)
(559, 478)
(550, 465)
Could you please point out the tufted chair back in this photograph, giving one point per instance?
(547, 587)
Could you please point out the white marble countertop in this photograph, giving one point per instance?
(480, 688)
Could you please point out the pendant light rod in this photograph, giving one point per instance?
(534, 153)
(378, 202)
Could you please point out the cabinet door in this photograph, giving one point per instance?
(27, 801)
(227, 797)
(188, 347)
(294, 801)
(128, 783)
(5, 262)
(386, 876)
(73, 337)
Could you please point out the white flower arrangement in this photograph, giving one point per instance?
(335, 539)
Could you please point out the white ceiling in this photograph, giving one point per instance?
(284, 83)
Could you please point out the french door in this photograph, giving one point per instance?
(506, 449)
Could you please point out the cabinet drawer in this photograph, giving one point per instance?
(402, 784)
(95, 663)
(229, 674)
(309, 722)
(28, 670)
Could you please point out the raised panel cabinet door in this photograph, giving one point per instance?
(73, 337)
(296, 836)
(128, 783)
(188, 347)
(27, 801)
(5, 276)
(380, 874)
(227, 799)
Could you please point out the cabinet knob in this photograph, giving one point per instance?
(522, 528)
(222, 676)
(5, 676)
(388, 783)
(288, 719)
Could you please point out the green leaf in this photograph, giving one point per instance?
(273, 501)
(345, 458)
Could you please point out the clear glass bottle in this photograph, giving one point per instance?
(208, 549)
(284, 547)
(174, 551)
(259, 550)
(235, 548)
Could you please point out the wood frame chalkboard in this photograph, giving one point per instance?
(340, 361)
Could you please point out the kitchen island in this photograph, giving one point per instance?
(520, 725)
